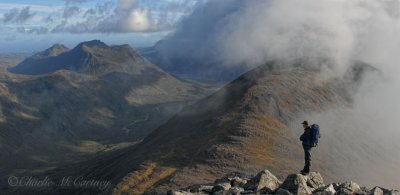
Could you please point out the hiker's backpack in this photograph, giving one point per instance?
(315, 135)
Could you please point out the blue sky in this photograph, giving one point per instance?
(33, 25)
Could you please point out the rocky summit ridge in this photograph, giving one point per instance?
(267, 183)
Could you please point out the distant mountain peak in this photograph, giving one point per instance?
(127, 46)
(92, 43)
(90, 57)
(58, 45)
(54, 50)
(90, 46)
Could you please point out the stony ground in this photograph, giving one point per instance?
(266, 183)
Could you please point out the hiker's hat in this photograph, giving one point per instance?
(305, 123)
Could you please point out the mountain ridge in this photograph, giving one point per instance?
(54, 50)
(242, 127)
(91, 57)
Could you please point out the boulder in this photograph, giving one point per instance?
(234, 179)
(353, 186)
(264, 179)
(365, 190)
(376, 191)
(326, 190)
(181, 192)
(220, 187)
(343, 191)
(247, 192)
(236, 190)
(394, 192)
(200, 188)
(315, 180)
(222, 192)
(217, 189)
(390, 192)
(232, 176)
(225, 186)
(349, 187)
(238, 182)
(281, 191)
(296, 184)
(265, 191)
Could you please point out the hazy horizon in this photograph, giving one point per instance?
(29, 26)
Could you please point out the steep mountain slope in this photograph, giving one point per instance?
(39, 60)
(244, 127)
(67, 116)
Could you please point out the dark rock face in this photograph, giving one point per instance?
(266, 183)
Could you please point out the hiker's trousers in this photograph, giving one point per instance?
(307, 158)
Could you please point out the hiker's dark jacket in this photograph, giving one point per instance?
(306, 138)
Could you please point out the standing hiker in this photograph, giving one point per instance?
(308, 143)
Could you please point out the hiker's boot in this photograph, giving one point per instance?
(304, 172)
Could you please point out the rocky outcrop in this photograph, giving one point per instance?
(264, 180)
(266, 183)
(297, 184)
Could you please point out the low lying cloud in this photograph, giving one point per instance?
(251, 32)
(237, 32)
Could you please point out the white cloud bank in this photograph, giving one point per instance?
(253, 31)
